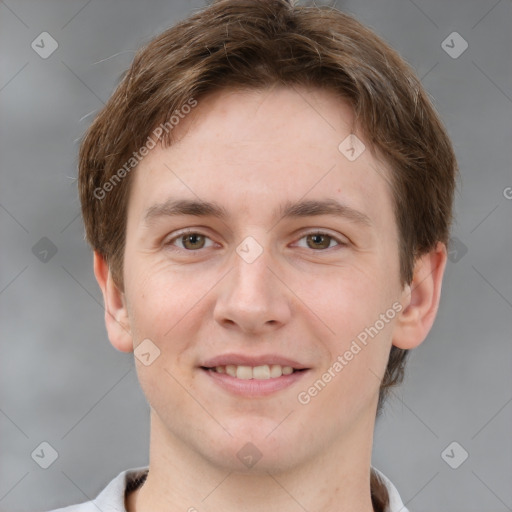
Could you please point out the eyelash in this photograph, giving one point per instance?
(170, 243)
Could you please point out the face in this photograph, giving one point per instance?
(254, 244)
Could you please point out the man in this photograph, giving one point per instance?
(268, 194)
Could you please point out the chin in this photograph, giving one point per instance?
(253, 451)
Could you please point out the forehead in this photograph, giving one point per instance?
(262, 148)
(256, 116)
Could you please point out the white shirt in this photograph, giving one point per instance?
(111, 499)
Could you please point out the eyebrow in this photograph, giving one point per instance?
(311, 208)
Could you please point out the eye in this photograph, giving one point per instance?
(320, 241)
(190, 241)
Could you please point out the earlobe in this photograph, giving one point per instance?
(116, 314)
(421, 299)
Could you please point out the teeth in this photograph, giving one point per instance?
(275, 371)
(231, 370)
(243, 372)
(263, 372)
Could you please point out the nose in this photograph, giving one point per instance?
(252, 298)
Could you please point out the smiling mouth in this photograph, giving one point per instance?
(262, 372)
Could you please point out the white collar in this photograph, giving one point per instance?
(112, 498)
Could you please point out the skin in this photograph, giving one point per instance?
(250, 151)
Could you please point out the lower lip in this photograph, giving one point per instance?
(254, 387)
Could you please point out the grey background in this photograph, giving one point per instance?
(63, 383)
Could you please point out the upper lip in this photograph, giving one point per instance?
(247, 360)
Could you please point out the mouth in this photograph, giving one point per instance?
(265, 376)
(260, 372)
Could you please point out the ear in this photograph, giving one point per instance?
(116, 314)
(420, 299)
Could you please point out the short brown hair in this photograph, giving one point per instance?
(257, 44)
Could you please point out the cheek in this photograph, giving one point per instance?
(350, 380)
(161, 308)
(161, 297)
(358, 320)
(347, 299)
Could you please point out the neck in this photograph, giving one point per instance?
(180, 479)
